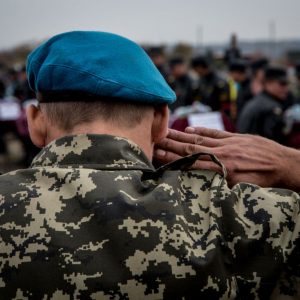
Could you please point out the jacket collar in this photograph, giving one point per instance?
(93, 151)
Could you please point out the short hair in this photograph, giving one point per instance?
(66, 115)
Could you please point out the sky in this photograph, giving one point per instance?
(150, 21)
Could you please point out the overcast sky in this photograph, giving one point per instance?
(153, 21)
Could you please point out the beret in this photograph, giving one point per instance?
(100, 64)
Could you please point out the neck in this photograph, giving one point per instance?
(140, 134)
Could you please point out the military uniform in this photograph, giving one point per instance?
(214, 92)
(92, 219)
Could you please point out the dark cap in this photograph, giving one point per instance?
(155, 51)
(102, 65)
(238, 66)
(176, 61)
(259, 64)
(200, 61)
(276, 73)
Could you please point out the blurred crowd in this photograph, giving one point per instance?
(252, 95)
(15, 95)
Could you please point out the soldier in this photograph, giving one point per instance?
(181, 83)
(296, 83)
(212, 90)
(263, 114)
(92, 219)
(233, 52)
(158, 57)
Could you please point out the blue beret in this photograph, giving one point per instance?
(96, 63)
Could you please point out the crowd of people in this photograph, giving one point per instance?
(252, 94)
(15, 94)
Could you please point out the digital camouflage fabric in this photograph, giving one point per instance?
(92, 219)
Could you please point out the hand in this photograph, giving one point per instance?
(248, 158)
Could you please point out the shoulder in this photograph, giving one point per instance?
(279, 208)
(255, 105)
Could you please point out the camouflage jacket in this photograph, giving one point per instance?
(92, 219)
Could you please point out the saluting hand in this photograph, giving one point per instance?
(248, 158)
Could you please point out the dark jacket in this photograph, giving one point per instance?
(263, 115)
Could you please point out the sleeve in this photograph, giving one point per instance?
(288, 286)
(267, 247)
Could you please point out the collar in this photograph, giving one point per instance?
(93, 151)
(267, 94)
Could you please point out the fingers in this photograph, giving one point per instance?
(165, 157)
(184, 137)
(207, 132)
(206, 165)
(181, 149)
(194, 139)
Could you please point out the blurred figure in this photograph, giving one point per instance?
(22, 89)
(250, 87)
(239, 86)
(296, 83)
(263, 114)
(12, 83)
(23, 93)
(258, 75)
(181, 83)
(233, 52)
(2, 89)
(212, 90)
(158, 57)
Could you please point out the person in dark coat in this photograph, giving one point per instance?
(263, 115)
(181, 83)
(212, 90)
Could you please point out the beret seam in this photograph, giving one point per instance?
(100, 78)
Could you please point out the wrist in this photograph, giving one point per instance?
(290, 169)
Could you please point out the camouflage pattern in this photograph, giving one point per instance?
(92, 219)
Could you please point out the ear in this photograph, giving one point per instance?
(160, 123)
(36, 125)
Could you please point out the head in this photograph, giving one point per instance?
(178, 67)
(233, 40)
(157, 55)
(258, 69)
(238, 71)
(99, 83)
(276, 82)
(201, 65)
